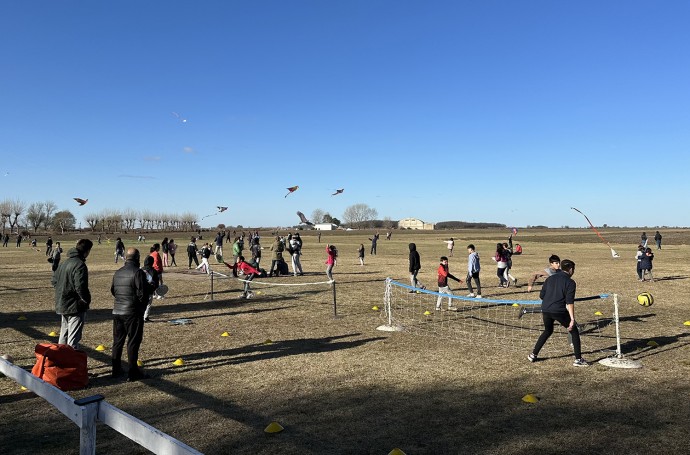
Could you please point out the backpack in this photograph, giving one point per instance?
(283, 268)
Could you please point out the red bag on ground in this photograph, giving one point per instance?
(61, 365)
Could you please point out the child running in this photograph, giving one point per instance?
(249, 273)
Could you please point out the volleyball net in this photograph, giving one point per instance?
(496, 324)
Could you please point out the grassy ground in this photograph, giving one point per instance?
(338, 385)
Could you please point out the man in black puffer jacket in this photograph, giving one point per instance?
(129, 288)
(72, 295)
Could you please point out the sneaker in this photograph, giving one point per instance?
(423, 287)
(472, 294)
(479, 296)
(514, 281)
(452, 308)
(580, 363)
(532, 358)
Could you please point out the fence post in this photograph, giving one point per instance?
(87, 429)
(335, 307)
(212, 285)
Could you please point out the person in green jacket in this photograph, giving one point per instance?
(72, 296)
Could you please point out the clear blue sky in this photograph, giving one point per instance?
(495, 111)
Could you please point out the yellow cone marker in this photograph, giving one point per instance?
(53, 334)
(686, 323)
(100, 347)
(140, 363)
(427, 313)
(21, 318)
(375, 308)
(396, 451)
(274, 427)
(178, 362)
(529, 398)
(23, 388)
(515, 304)
(268, 341)
(225, 334)
(652, 343)
(598, 313)
(258, 293)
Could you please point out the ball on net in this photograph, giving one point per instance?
(645, 299)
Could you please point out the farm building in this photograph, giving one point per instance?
(415, 223)
(325, 226)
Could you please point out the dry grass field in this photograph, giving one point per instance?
(339, 386)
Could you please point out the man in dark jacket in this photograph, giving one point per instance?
(72, 296)
(129, 288)
(415, 265)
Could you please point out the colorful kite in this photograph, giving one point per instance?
(340, 191)
(514, 230)
(613, 252)
(183, 120)
(304, 219)
(81, 201)
(291, 190)
(220, 210)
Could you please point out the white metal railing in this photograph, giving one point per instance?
(86, 411)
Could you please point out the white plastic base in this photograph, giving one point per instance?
(390, 328)
(620, 362)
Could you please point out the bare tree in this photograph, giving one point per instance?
(49, 207)
(5, 213)
(317, 216)
(359, 215)
(92, 220)
(35, 215)
(17, 208)
(129, 217)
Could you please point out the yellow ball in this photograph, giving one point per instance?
(645, 299)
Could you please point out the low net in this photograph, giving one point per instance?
(509, 325)
(280, 289)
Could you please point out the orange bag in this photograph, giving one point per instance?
(61, 365)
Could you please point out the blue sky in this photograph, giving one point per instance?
(495, 111)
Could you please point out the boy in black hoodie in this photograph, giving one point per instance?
(415, 265)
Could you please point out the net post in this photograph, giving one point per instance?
(618, 360)
(335, 307)
(387, 308)
(211, 285)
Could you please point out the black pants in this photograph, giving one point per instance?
(131, 327)
(474, 276)
(564, 320)
(172, 260)
(193, 258)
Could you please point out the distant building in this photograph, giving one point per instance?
(325, 227)
(415, 223)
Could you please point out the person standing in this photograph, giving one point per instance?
(657, 239)
(638, 256)
(219, 243)
(374, 239)
(450, 244)
(49, 246)
(165, 249)
(277, 249)
(296, 246)
(255, 249)
(19, 241)
(205, 255)
(415, 266)
(191, 253)
(153, 284)
(119, 250)
(443, 288)
(172, 249)
(157, 262)
(558, 305)
(360, 254)
(236, 250)
(72, 295)
(501, 260)
(129, 288)
(473, 268)
(646, 264)
(55, 257)
(331, 260)
(643, 239)
(5, 240)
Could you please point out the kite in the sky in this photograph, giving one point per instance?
(291, 190)
(183, 120)
(81, 201)
(613, 252)
(514, 231)
(303, 219)
(338, 192)
(220, 210)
